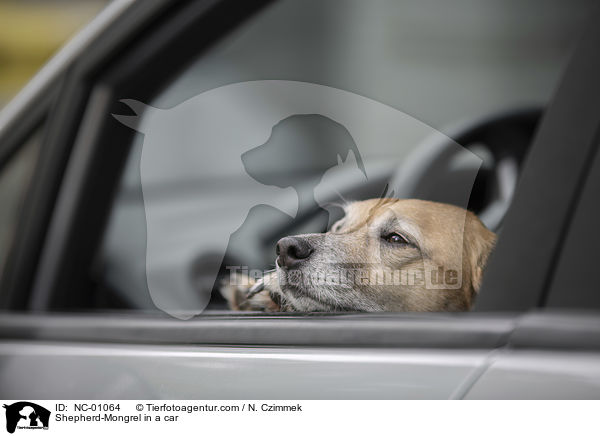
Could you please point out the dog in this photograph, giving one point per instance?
(392, 255)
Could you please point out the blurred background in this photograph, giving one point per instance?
(31, 31)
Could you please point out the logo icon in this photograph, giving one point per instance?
(26, 415)
(287, 150)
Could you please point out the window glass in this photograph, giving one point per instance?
(312, 103)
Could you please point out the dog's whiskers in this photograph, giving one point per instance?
(259, 285)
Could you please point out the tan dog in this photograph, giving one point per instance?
(384, 255)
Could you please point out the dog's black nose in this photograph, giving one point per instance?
(292, 251)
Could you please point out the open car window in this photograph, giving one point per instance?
(320, 105)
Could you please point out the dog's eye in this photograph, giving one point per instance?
(336, 227)
(395, 238)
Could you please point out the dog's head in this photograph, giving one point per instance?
(387, 255)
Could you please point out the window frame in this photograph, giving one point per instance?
(163, 46)
(573, 281)
(542, 210)
(12, 138)
(64, 98)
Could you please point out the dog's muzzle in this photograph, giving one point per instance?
(292, 251)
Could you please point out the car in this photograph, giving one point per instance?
(492, 107)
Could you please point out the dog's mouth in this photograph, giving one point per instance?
(295, 298)
(304, 298)
(308, 303)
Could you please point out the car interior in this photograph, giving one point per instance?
(422, 167)
(495, 119)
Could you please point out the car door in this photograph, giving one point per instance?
(553, 353)
(72, 330)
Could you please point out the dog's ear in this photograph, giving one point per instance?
(480, 243)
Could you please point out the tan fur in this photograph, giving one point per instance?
(234, 289)
(446, 241)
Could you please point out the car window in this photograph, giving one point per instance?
(321, 104)
(15, 177)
